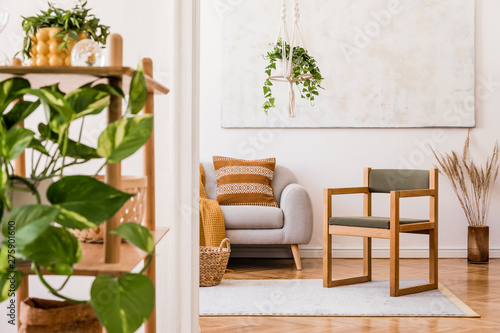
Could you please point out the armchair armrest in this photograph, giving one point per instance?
(345, 190)
(416, 193)
(297, 214)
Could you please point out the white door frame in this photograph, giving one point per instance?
(182, 253)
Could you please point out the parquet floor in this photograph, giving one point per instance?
(477, 285)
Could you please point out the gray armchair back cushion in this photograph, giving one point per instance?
(387, 180)
(282, 177)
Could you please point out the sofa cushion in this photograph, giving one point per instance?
(242, 182)
(252, 217)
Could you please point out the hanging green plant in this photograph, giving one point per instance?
(303, 63)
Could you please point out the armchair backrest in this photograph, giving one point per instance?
(387, 180)
(282, 177)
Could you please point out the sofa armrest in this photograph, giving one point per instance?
(297, 214)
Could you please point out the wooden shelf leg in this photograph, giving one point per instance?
(114, 171)
(149, 171)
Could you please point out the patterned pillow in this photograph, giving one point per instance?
(242, 182)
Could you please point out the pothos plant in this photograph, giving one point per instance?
(71, 21)
(40, 233)
(302, 63)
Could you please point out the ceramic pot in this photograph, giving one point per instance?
(48, 316)
(478, 245)
(21, 198)
(44, 48)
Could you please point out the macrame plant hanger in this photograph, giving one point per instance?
(287, 64)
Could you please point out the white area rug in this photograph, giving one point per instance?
(309, 298)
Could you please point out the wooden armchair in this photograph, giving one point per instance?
(400, 184)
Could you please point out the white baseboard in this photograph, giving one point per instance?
(384, 253)
(283, 251)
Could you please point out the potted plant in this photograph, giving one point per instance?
(51, 34)
(303, 66)
(40, 233)
(473, 185)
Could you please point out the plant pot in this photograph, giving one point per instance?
(44, 48)
(47, 316)
(21, 198)
(478, 244)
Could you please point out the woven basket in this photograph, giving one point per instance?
(131, 211)
(213, 263)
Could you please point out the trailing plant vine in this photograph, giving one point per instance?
(71, 21)
(303, 63)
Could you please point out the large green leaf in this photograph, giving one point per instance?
(13, 143)
(20, 111)
(9, 283)
(137, 235)
(124, 137)
(29, 222)
(75, 149)
(112, 90)
(122, 305)
(52, 98)
(84, 201)
(138, 92)
(10, 90)
(56, 249)
(86, 101)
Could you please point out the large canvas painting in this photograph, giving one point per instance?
(386, 63)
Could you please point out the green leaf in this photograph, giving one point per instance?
(28, 222)
(75, 149)
(84, 201)
(123, 305)
(7, 280)
(266, 90)
(10, 90)
(87, 101)
(55, 100)
(112, 90)
(56, 249)
(14, 142)
(37, 145)
(137, 235)
(124, 137)
(138, 92)
(20, 111)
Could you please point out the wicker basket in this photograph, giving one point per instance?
(132, 210)
(213, 263)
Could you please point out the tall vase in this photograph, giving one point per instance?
(478, 248)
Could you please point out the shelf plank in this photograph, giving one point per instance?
(71, 78)
(92, 263)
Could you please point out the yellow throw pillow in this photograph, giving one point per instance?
(242, 182)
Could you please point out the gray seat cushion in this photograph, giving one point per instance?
(369, 221)
(252, 217)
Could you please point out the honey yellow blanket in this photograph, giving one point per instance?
(212, 227)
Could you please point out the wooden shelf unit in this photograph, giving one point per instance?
(112, 257)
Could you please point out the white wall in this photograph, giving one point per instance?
(335, 157)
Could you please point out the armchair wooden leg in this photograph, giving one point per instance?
(296, 256)
(367, 257)
(433, 258)
(394, 270)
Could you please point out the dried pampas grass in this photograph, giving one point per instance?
(472, 183)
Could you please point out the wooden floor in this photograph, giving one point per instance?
(477, 285)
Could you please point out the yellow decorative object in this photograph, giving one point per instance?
(44, 48)
(212, 226)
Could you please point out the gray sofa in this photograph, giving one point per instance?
(290, 224)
